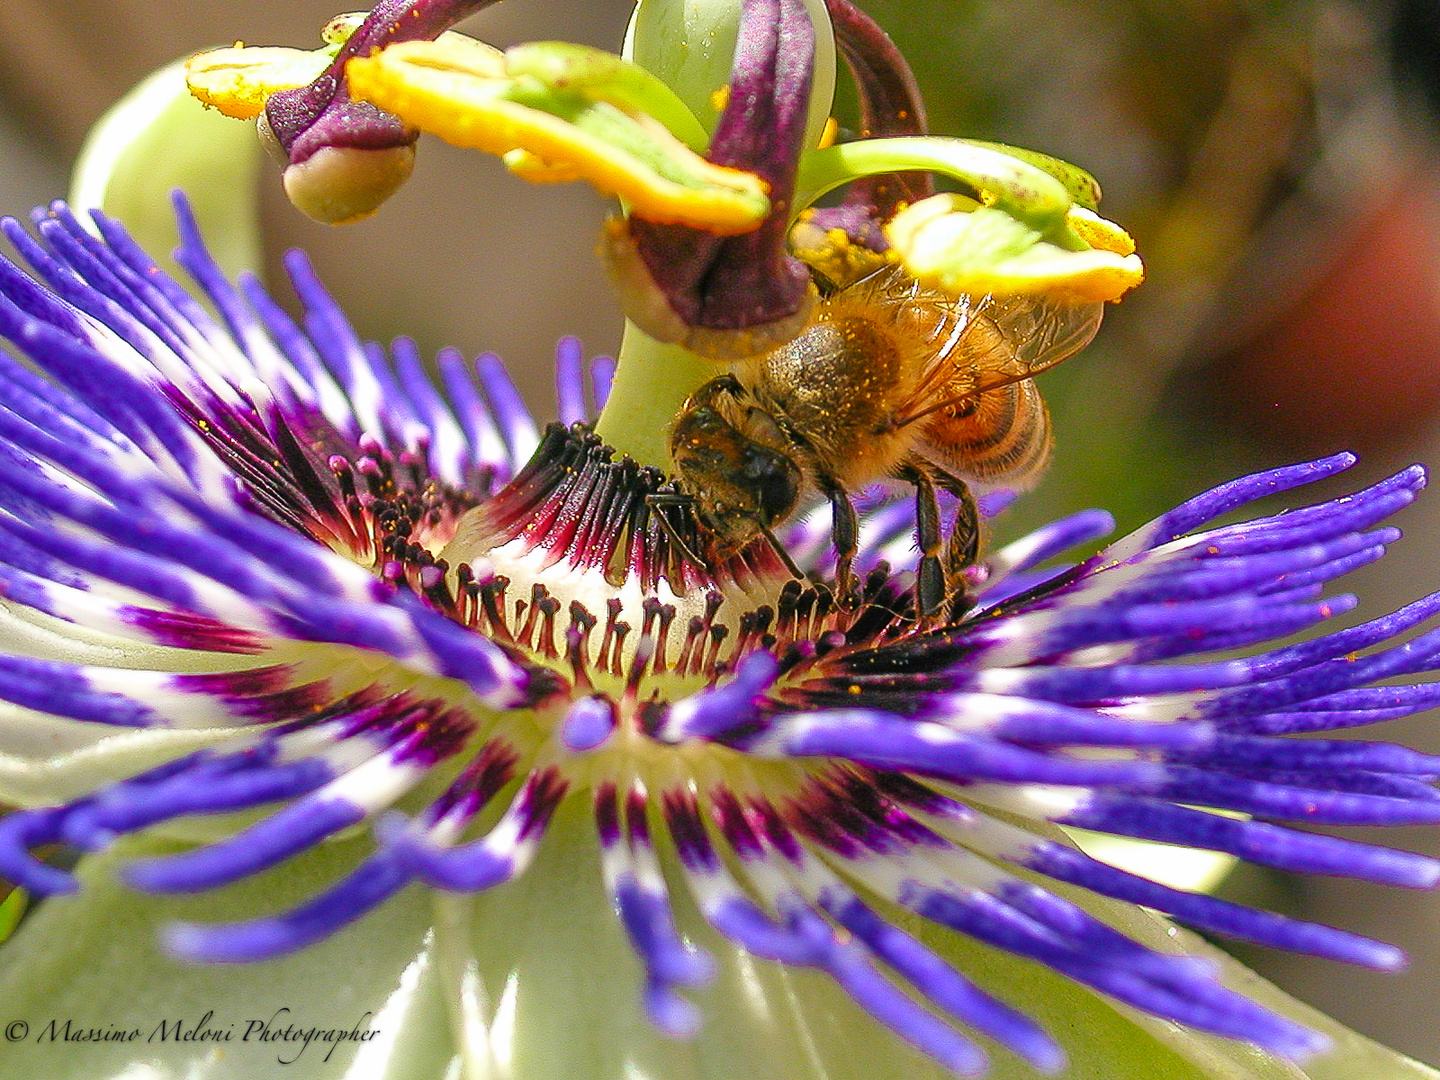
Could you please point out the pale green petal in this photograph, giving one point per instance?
(50, 759)
(558, 987)
(540, 979)
(93, 959)
(552, 977)
(157, 139)
(1179, 867)
(11, 909)
(29, 631)
(1351, 1057)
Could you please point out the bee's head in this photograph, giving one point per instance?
(741, 487)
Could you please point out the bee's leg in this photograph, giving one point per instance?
(930, 585)
(964, 548)
(844, 534)
(779, 549)
(940, 589)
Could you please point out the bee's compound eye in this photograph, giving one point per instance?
(773, 479)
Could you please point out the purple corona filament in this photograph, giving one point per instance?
(415, 615)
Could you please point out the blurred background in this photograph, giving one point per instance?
(1276, 161)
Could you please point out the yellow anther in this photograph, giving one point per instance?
(237, 80)
(466, 96)
(947, 243)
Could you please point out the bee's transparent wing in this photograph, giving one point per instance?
(985, 343)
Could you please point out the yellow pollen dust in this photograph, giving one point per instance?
(466, 95)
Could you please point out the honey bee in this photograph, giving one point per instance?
(890, 381)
